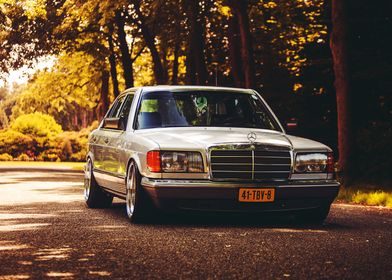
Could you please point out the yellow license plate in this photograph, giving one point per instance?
(256, 195)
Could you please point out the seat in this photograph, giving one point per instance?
(149, 120)
(217, 120)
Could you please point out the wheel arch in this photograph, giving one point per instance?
(136, 161)
(90, 155)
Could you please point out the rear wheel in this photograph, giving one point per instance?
(94, 196)
(138, 205)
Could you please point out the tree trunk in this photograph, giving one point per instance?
(196, 66)
(125, 55)
(103, 104)
(338, 44)
(112, 62)
(84, 119)
(160, 73)
(235, 52)
(174, 79)
(240, 9)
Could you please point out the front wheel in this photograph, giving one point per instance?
(94, 196)
(138, 205)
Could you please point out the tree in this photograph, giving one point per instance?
(27, 31)
(69, 92)
(112, 62)
(241, 36)
(195, 60)
(160, 73)
(339, 50)
(124, 49)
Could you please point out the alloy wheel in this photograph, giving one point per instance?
(87, 180)
(131, 191)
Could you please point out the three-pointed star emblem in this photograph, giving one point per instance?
(252, 137)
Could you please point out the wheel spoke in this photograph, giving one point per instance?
(131, 192)
(87, 180)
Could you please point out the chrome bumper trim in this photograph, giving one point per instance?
(157, 183)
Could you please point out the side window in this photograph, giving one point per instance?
(116, 107)
(126, 108)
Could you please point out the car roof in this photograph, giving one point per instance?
(189, 88)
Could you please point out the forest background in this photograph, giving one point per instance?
(324, 65)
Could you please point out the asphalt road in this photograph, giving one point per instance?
(47, 232)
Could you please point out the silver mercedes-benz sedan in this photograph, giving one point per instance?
(204, 149)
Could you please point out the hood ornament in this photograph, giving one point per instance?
(252, 137)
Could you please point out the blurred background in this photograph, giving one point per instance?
(323, 66)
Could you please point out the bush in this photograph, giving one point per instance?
(41, 139)
(6, 157)
(15, 143)
(48, 156)
(36, 124)
(72, 145)
(23, 157)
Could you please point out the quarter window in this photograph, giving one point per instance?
(113, 112)
(124, 113)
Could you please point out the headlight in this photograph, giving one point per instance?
(314, 163)
(170, 161)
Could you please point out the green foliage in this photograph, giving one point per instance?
(292, 65)
(15, 143)
(5, 157)
(3, 116)
(36, 124)
(38, 137)
(67, 146)
(3, 120)
(366, 197)
(26, 31)
(69, 89)
(23, 157)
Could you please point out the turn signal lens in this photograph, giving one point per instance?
(330, 163)
(154, 161)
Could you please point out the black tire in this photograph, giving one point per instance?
(315, 216)
(138, 205)
(94, 195)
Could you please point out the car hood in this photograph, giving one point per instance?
(200, 138)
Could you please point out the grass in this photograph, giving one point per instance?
(366, 196)
(65, 165)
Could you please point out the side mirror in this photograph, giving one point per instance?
(114, 123)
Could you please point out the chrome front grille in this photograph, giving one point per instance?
(250, 163)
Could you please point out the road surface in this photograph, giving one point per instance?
(46, 232)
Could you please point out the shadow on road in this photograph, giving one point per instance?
(46, 231)
(239, 220)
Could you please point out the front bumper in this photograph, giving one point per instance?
(204, 195)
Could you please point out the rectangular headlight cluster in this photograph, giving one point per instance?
(175, 162)
(314, 163)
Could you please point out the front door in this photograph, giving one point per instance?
(113, 164)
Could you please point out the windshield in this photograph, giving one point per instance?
(203, 108)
